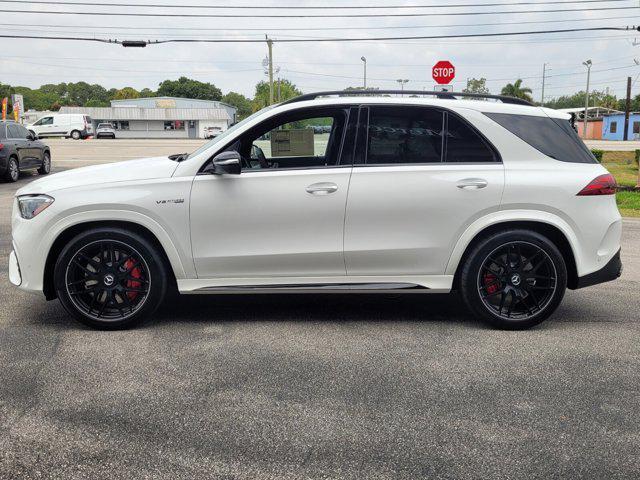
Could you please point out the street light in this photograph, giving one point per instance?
(402, 82)
(586, 104)
(364, 60)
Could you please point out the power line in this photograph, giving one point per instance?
(267, 29)
(144, 43)
(307, 7)
(352, 15)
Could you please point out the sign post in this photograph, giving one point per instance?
(443, 72)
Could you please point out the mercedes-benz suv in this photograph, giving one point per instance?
(492, 197)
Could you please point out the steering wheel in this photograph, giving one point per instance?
(258, 154)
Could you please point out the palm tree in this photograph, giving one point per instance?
(516, 89)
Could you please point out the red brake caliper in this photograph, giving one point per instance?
(490, 283)
(135, 273)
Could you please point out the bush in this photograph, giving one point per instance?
(598, 154)
(637, 157)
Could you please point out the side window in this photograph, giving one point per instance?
(3, 133)
(401, 135)
(296, 141)
(45, 121)
(13, 131)
(464, 144)
(22, 132)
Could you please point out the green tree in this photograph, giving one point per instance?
(189, 88)
(516, 89)
(242, 103)
(95, 102)
(126, 93)
(146, 93)
(477, 85)
(261, 98)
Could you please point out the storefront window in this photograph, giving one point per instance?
(174, 125)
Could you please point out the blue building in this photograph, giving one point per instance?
(613, 127)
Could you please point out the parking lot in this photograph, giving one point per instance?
(317, 386)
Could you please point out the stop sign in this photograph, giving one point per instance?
(443, 72)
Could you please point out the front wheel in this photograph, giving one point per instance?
(514, 279)
(76, 135)
(45, 168)
(110, 278)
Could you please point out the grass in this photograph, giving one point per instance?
(629, 203)
(627, 175)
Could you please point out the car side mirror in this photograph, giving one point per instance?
(31, 136)
(226, 163)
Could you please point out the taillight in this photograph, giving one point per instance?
(602, 185)
(1, 146)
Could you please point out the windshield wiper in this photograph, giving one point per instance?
(179, 157)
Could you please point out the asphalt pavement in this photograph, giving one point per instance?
(322, 386)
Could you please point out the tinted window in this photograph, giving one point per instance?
(22, 132)
(13, 131)
(464, 144)
(404, 135)
(614, 127)
(2, 130)
(636, 127)
(553, 137)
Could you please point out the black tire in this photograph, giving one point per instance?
(76, 135)
(110, 278)
(514, 279)
(45, 168)
(13, 170)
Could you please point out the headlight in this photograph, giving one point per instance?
(32, 205)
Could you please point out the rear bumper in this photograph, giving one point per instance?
(610, 271)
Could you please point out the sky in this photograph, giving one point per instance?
(317, 66)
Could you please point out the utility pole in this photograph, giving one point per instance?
(587, 64)
(544, 77)
(364, 60)
(279, 91)
(270, 45)
(627, 110)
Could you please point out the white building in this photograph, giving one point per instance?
(161, 117)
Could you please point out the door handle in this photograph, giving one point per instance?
(322, 188)
(472, 183)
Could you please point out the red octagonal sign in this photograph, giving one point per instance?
(443, 72)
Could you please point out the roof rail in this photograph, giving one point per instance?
(441, 95)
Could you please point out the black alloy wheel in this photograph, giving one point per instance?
(110, 278)
(514, 279)
(517, 280)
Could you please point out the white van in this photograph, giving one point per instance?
(74, 125)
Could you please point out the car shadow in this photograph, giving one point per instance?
(352, 307)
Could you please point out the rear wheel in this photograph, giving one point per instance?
(45, 168)
(13, 170)
(514, 279)
(110, 278)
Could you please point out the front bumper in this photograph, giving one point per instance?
(609, 272)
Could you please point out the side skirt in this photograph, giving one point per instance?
(423, 284)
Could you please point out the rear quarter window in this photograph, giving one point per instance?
(553, 137)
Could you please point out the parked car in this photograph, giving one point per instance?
(212, 132)
(499, 201)
(105, 130)
(73, 125)
(20, 151)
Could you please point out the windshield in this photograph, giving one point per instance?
(229, 132)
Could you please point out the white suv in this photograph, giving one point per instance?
(497, 199)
